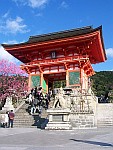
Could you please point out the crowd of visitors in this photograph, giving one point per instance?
(37, 100)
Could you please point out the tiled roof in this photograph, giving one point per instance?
(61, 34)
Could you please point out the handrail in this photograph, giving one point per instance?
(21, 104)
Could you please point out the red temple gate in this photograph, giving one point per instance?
(65, 55)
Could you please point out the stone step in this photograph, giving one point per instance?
(24, 119)
(20, 120)
(24, 109)
(104, 123)
(22, 114)
(23, 123)
(24, 126)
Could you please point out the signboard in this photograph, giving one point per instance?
(57, 118)
(44, 86)
(74, 78)
(35, 81)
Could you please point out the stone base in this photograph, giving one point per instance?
(58, 119)
(58, 126)
(8, 105)
(83, 121)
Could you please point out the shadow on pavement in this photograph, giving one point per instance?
(93, 142)
(40, 122)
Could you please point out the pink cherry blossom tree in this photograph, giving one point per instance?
(13, 80)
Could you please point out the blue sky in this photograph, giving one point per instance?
(20, 19)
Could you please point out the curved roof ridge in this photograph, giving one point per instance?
(60, 34)
(63, 31)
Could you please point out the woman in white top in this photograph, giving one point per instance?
(6, 120)
(30, 98)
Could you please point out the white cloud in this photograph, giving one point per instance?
(16, 25)
(32, 3)
(39, 15)
(64, 4)
(37, 3)
(109, 52)
(5, 55)
(9, 25)
(6, 14)
(11, 42)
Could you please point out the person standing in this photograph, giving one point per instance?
(11, 118)
(30, 98)
(33, 107)
(6, 120)
(47, 99)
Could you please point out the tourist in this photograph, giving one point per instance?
(6, 119)
(40, 90)
(33, 107)
(2, 120)
(35, 92)
(47, 99)
(11, 118)
(32, 90)
(50, 92)
(40, 98)
(30, 98)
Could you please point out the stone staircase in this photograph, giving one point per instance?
(23, 119)
(106, 122)
(105, 114)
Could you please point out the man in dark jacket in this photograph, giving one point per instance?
(11, 118)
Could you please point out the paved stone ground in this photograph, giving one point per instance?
(36, 139)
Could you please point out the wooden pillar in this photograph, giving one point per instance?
(29, 83)
(67, 78)
(47, 85)
(81, 78)
(41, 78)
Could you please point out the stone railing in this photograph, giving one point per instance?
(20, 105)
(83, 101)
